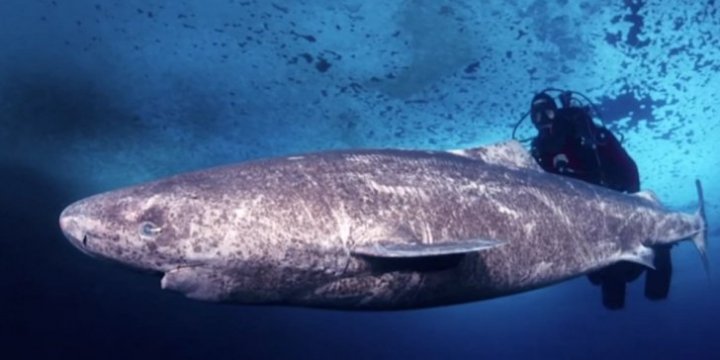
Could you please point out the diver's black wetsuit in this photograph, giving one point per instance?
(574, 146)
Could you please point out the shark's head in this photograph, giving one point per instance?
(186, 227)
(139, 227)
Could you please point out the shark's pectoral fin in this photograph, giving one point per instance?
(420, 257)
(197, 282)
(412, 250)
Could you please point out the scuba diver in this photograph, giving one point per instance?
(570, 143)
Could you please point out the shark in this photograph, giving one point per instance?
(374, 229)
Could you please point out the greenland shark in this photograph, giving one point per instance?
(374, 229)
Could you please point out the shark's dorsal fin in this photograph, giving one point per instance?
(509, 153)
(412, 250)
(649, 196)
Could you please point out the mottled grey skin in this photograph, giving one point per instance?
(318, 230)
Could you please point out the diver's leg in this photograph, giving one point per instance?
(612, 283)
(613, 292)
(657, 281)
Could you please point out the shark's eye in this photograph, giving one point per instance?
(148, 229)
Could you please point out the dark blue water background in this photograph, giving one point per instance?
(100, 94)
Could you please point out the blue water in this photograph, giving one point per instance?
(99, 94)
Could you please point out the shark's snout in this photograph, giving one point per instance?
(70, 224)
(104, 227)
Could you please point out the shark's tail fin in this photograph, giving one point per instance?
(700, 239)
